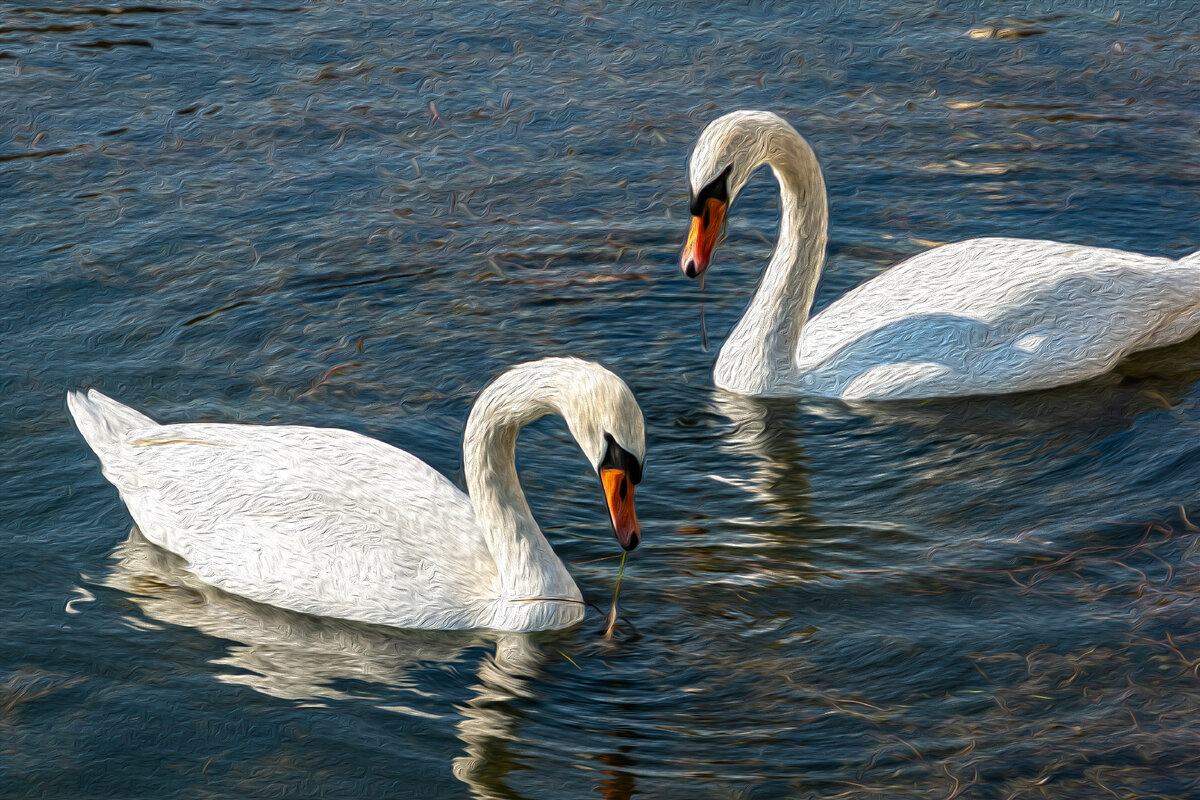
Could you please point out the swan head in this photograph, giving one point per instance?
(605, 420)
(727, 153)
(600, 412)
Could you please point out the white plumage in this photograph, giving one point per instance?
(330, 522)
(983, 316)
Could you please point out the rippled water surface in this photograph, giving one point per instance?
(356, 213)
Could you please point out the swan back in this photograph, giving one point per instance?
(318, 520)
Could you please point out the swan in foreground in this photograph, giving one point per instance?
(330, 522)
(983, 316)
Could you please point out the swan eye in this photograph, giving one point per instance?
(617, 457)
(716, 189)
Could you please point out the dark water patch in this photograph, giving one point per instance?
(104, 11)
(44, 28)
(40, 153)
(109, 44)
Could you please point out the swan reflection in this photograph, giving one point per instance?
(908, 468)
(317, 660)
(764, 437)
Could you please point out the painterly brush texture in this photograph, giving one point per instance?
(356, 214)
(330, 522)
(983, 316)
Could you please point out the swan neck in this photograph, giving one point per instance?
(526, 563)
(760, 353)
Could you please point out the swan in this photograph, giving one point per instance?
(333, 523)
(981, 316)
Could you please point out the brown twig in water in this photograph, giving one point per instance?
(329, 373)
(1187, 523)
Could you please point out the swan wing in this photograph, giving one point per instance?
(318, 520)
(996, 315)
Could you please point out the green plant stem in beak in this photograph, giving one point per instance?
(612, 615)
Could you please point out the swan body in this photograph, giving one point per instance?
(982, 316)
(333, 523)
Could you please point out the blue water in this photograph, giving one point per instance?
(356, 213)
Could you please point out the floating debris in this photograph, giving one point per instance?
(1003, 33)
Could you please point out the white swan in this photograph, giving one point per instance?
(330, 522)
(983, 316)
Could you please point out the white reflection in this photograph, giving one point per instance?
(764, 437)
(304, 658)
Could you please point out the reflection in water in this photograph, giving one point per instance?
(1102, 406)
(487, 726)
(299, 657)
(987, 446)
(277, 652)
(881, 492)
(984, 464)
(1147, 381)
(763, 438)
(618, 783)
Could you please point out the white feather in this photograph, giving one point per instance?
(330, 522)
(983, 316)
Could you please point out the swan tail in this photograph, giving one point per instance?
(103, 421)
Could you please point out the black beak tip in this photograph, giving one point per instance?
(689, 269)
(634, 538)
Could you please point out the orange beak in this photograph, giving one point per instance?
(618, 491)
(702, 238)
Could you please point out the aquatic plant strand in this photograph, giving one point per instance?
(612, 615)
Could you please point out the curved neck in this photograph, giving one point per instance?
(760, 353)
(527, 564)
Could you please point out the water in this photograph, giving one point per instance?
(356, 213)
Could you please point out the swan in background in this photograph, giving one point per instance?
(330, 522)
(982, 316)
